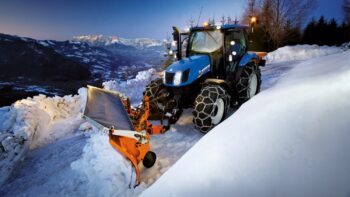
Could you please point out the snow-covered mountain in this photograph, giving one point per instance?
(29, 68)
(101, 40)
(25, 62)
(108, 58)
(297, 145)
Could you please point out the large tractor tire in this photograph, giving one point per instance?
(249, 83)
(153, 91)
(210, 107)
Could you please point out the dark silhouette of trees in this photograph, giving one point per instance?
(278, 21)
(325, 32)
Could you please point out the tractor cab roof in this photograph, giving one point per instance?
(223, 27)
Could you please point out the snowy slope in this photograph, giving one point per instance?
(70, 158)
(297, 146)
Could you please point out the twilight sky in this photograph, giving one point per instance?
(62, 19)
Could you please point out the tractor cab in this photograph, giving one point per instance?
(224, 45)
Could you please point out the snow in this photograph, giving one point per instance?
(55, 152)
(132, 88)
(34, 122)
(102, 169)
(301, 52)
(346, 45)
(297, 146)
(44, 43)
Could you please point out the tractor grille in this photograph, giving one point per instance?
(185, 75)
(169, 78)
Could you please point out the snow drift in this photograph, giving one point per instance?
(301, 52)
(34, 122)
(290, 140)
(104, 171)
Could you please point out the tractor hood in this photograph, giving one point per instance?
(187, 70)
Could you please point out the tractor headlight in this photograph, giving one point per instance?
(177, 78)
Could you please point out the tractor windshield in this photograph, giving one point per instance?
(206, 41)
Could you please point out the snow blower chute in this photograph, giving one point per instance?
(128, 128)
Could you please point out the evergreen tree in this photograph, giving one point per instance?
(332, 33)
(321, 29)
(292, 35)
(344, 33)
(326, 33)
(309, 32)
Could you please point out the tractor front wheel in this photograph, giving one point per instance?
(210, 107)
(153, 91)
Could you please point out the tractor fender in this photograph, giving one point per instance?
(220, 82)
(248, 57)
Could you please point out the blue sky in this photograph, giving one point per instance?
(62, 19)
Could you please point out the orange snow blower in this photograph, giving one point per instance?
(128, 128)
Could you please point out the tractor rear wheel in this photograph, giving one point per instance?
(249, 83)
(210, 107)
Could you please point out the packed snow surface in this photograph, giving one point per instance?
(55, 152)
(290, 140)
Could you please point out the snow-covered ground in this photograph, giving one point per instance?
(54, 152)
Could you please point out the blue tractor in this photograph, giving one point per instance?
(213, 73)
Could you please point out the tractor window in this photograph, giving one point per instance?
(240, 41)
(206, 41)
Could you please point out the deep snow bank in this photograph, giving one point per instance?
(300, 52)
(37, 121)
(291, 140)
(104, 171)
